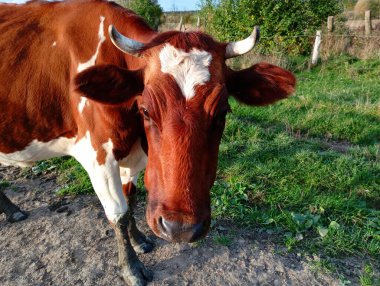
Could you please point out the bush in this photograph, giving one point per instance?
(233, 20)
(150, 10)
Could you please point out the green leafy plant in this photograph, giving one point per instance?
(279, 19)
(150, 10)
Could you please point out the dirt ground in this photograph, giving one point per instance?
(68, 241)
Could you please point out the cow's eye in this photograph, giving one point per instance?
(145, 112)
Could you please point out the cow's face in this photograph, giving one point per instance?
(184, 88)
(184, 104)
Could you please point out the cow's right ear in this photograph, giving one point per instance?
(109, 84)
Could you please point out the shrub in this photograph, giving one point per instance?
(150, 10)
(233, 19)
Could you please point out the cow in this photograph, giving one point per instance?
(92, 80)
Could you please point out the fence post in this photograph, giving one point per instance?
(156, 24)
(367, 22)
(180, 25)
(330, 24)
(317, 45)
(198, 23)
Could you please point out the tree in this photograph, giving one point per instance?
(150, 10)
(278, 19)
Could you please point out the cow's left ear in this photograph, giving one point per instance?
(109, 84)
(260, 84)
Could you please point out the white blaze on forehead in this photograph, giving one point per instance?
(188, 69)
(102, 38)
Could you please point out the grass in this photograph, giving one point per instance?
(72, 178)
(4, 184)
(306, 168)
(223, 240)
(309, 167)
(368, 277)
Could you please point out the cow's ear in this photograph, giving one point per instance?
(109, 84)
(260, 84)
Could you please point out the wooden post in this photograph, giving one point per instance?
(198, 23)
(317, 45)
(330, 24)
(367, 22)
(180, 25)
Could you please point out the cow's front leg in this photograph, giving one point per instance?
(105, 178)
(107, 184)
(132, 269)
(139, 241)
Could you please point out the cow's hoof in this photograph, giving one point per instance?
(144, 247)
(136, 274)
(17, 216)
(141, 243)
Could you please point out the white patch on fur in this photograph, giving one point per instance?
(53, 44)
(188, 69)
(82, 103)
(133, 164)
(105, 178)
(37, 150)
(91, 62)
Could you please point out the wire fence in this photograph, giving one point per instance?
(337, 36)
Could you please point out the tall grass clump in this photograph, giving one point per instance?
(364, 5)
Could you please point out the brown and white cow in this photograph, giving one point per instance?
(159, 101)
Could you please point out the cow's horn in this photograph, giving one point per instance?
(123, 43)
(235, 49)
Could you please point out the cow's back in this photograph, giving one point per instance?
(34, 77)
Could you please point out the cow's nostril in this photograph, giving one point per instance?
(180, 232)
(169, 228)
(160, 223)
(167, 225)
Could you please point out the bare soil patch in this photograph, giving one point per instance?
(68, 241)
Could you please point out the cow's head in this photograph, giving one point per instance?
(184, 88)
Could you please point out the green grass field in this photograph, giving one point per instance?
(306, 169)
